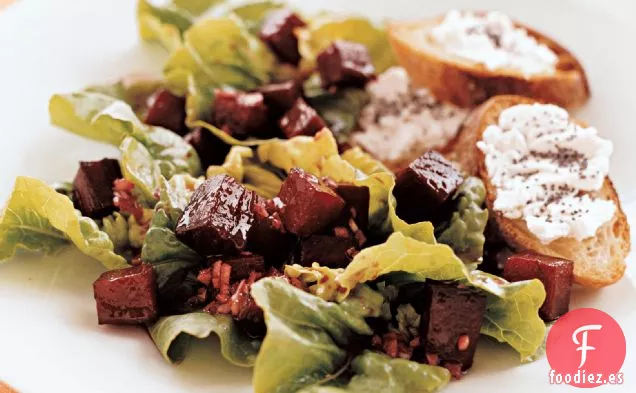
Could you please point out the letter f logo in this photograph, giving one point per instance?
(583, 344)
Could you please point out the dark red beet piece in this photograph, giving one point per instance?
(280, 97)
(301, 119)
(556, 274)
(357, 199)
(345, 63)
(309, 206)
(452, 315)
(277, 32)
(329, 251)
(423, 188)
(240, 114)
(167, 110)
(268, 236)
(218, 217)
(126, 296)
(211, 150)
(244, 264)
(93, 187)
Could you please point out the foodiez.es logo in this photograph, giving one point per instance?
(586, 348)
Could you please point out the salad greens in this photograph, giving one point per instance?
(172, 336)
(107, 119)
(38, 218)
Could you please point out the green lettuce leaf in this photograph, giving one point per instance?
(341, 110)
(242, 165)
(312, 331)
(253, 13)
(171, 259)
(465, 230)
(134, 91)
(107, 119)
(172, 336)
(512, 308)
(138, 166)
(37, 218)
(219, 51)
(229, 139)
(199, 102)
(326, 28)
(375, 372)
(166, 24)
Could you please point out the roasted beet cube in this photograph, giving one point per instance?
(452, 315)
(301, 119)
(218, 217)
(211, 150)
(556, 274)
(268, 236)
(309, 206)
(327, 250)
(240, 114)
(280, 97)
(357, 201)
(277, 32)
(244, 264)
(423, 188)
(167, 110)
(93, 187)
(345, 63)
(126, 296)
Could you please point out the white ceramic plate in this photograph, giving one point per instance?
(49, 338)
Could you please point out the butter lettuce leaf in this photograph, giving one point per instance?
(464, 232)
(172, 336)
(37, 218)
(243, 166)
(253, 13)
(173, 261)
(138, 166)
(166, 24)
(313, 332)
(107, 119)
(326, 28)
(219, 51)
(512, 308)
(376, 372)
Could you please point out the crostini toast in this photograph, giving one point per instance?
(598, 261)
(467, 84)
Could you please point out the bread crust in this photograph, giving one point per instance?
(598, 260)
(467, 84)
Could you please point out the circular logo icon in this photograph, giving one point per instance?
(586, 348)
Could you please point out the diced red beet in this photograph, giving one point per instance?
(452, 315)
(301, 119)
(126, 296)
(93, 187)
(244, 264)
(211, 150)
(556, 274)
(280, 97)
(277, 32)
(268, 236)
(218, 217)
(241, 114)
(327, 250)
(309, 206)
(423, 188)
(345, 63)
(167, 110)
(357, 199)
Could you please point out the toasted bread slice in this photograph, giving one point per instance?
(598, 261)
(467, 84)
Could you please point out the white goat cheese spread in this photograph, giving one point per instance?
(493, 40)
(402, 121)
(546, 169)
